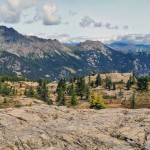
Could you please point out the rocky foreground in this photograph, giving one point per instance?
(42, 127)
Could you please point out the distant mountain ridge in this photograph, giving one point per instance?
(37, 58)
(128, 47)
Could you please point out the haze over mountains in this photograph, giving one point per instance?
(37, 58)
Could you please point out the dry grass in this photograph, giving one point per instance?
(142, 100)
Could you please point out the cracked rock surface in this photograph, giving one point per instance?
(43, 127)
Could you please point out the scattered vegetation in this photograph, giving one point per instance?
(98, 92)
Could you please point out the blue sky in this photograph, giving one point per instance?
(77, 20)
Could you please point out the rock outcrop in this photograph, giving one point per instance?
(43, 127)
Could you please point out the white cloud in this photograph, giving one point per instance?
(12, 12)
(109, 26)
(86, 21)
(132, 38)
(49, 15)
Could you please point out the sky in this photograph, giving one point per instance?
(79, 20)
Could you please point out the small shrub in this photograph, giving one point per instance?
(17, 105)
(96, 101)
(5, 100)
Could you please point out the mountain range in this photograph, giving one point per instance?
(36, 58)
(129, 47)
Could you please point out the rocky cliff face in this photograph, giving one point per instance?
(43, 127)
(36, 58)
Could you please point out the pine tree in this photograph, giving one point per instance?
(5, 100)
(114, 86)
(26, 92)
(142, 83)
(20, 85)
(40, 82)
(128, 84)
(73, 98)
(69, 89)
(108, 83)
(71, 79)
(62, 84)
(98, 81)
(5, 90)
(42, 91)
(87, 92)
(61, 89)
(132, 103)
(89, 80)
(92, 84)
(13, 91)
(81, 87)
(30, 92)
(63, 100)
(59, 94)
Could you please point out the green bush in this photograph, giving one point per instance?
(96, 101)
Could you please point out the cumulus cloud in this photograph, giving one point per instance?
(12, 11)
(87, 21)
(109, 26)
(132, 38)
(49, 15)
(98, 24)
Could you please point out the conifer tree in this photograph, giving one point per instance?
(13, 91)
(89, 80)
(26, 92)
(81, 87)
(62, 100)
(70, 89)
(132, 103)
(61, 89)
(42, 91)
(114, 86)
(142, 83)
(31, 91)
(5, 100)
(92, 84)
(108, 83)
(59, 94)
(20, 85)
(73, 98)
(62, 84)
(98, 81)
(87, 92)
(128, 84)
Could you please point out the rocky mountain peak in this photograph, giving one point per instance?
(10, 35)
(93, 45)
(16, 43)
